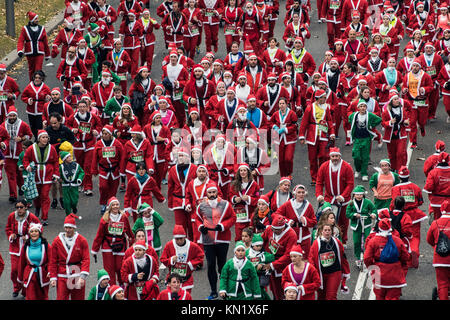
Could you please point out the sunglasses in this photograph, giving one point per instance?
(20, 207)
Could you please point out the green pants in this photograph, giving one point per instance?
(361, 154)
(70, 199)
(381, 204)
(357, 235)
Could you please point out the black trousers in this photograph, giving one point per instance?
(35, 124)
(215, 253)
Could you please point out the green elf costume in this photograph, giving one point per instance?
(238, 279)
(362, 224)
(361, 134)
(382, 184)
(98, 292)
(113, 106)
(259, 257)
(94, 42)
(72, 176)
(150, 225)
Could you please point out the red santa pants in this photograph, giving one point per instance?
(147, 56)
(271, 28)
(189, 44)
(183, 218)
(66, 289)
(286, 158)
(306, 246)
(238, 227)
(387, 293)
(414, 243)
(134, 56)
(34, 64)
(333, 32)
(317, 154)
(319, 9)
(211, 36)
(107, 188)
(160, 172)
(14, 176)
(397, 153)
(112, 264)
(276, 287)
(433, 99)
(331, 283)
(180, 113)
(337, 117)
(418, 115)
(437, 212)
(225, 189)
(35, 291)
(446, 100)
(14, 272)
(84, 159)
(443, 281)
(345, 124)
(43, 201)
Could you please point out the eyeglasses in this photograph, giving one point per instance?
(20, 207)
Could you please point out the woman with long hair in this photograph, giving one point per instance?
(192, 32)
(144, 85)
(274, 57)
(231, 15)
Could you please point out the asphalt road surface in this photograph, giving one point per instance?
(420, 281)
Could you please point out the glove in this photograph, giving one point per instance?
(203, 230)
(218, 228)
(20, 54)
(447, 85)
(63, 78)
(276, 128)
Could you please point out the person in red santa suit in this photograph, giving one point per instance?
(250, 28)
(178, 177)
(231, 14)
(378, 42)
(255, 73)
(109, 16)
(293, 30)
(138, 149)
(192, 30)
(437, 185)
(225, 111)
(297, 8)
(86, 127)
(132, 32)
(335, 182)
(373, 62)
(69, 262)
(66, 38)
(416, 86)
(269, 95)
(387, 79)
(138, 271)
(9, 92)
(301, 274)
(212, 12)
(113, 234)
(71, 70)
(431, 162)
(34, 260)
(241, 88)
(198, 90)
(149, 24)
(296, 98)
(45, 156)
(441, 263)
(331, 12)
(273, 57)
(304, 63)
(279, 239)
(80, 12)
(444, 83)
(174, 290)
(413, 200)
(174, 78)
(102, 91)
(391, 30)
(422, 20)
(108, 161)
(355, 19)
(173, 25)
(143, 84)
(285, 132)
(265, 12)
(234, 61)
(240, 128)
(443, 45)
(182, 256)
(128, 5)
(18, 131)
(17, 227)
(33, 44)
(121, 61)
(354, 47)
(432, 64)
(404, 65)
(390, 279)
(87, 56)
(316, 130)
(300, 215)
(124, 121)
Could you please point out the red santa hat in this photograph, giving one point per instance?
(323, 80)
(272, 76)
(278, 221)
(220, 137)
(204, 167)
(193, 110)
(32, 16)
(330, 53)
(283, 179)
(85, 97)
(35, 226)
(112, 200)
(334, 60)
(178, 232)
(443, 6)
(298, 39)
(334, 151)
(253, 138)
(338, 41)
(140, 244)
(131, 12)
(154, 115)
(319, 93)
(416, 31)
(70, 221)
(362, 79)
(374, 49)
(301, 186)
(173, 53)
(231, 89)
(145, 11)
(248, 48)
(209, 54)
(420, 4)
(393, 94)
(205, 60)
(356, 14)
(408, 47)
(211, 186)
(297, 249)
(286, 75)
(264, 199)
(172, 46)
(383, 214)
(142, 69)
(106, 73)
(218, 62)
(2, 67)
(429, 44)
(41, 133)
(163, 99)
(384, 225)
(108, 128)
(113, 290)
(416, 61)
(403, 172)
(241, 107)
(136, 129)
(12, 110)
(444, 157)
(445, 207)
(251, 96)
(290, 286)
(226, 71)
(196, 147)
(199, 67)
(243, 165)
(184, 151)
(439, 146)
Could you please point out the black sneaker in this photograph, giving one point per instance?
(122, 187)
(61, 201)
(54, 204)
(45, 222)
(15, 294)
(37, 212)
(21, 193)
(12, 199)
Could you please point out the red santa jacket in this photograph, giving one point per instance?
(426, 26)
(172, 32)
(148, 35)
(29, 46)
(444, 80)
(362, 6)
(80, 12)
(202, 94)
(362, 31)
(123, 9)
(432, 66)
(289, 123)
(309, 284)
(280, 246)
(404, 65)
(66, 40)
(332, 11)
(167, 295)
(112, 234)
(19, 129)
(260, 166)
(88, 58)
(303, 64)
(262, 96)
(441, 224)
(64, 109)
(188, 258)
(222, 110)
(128, 272)
(386, 117)
(26, 268)
(339, 183)
(430, 163)
(260, 78)
(244, 209)
(292, 32)
(355, 48)
(102, 94)
(70, 71)
(176, 189)
(425, 82)
(84, 136)
(108, 161)
(159, 153)
(120, 63)
(47, 164)
(138, 153)
(212, 11)
(413, 200)
(20, 229)
(131, 37)
(38, 96)
(437, 185)
(310, 130)
(372, 66)
(71, 263)
(178, 73)
(144, 192)
(391, 275)
(8, 86)
(292, 215)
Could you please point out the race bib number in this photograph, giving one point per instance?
(359, 35)
(77, 15)
(139, 289)
(3, 96)
(137, 156)
(123, 77)
(149, 225)
(209, 13)
(431, 70)
(116, 228)
(273, 246)
(89, 76)
(85, 127)
(420, 103)
(323, 127)
(327, 259)
(109, 152)
(423, 32)
(194, 31)
(177, 95)
(334, 4)
(254, 261)
(230, 29)
(240, 142)
(408, 195)
(180, 268)
(241, 214)
(299, 67)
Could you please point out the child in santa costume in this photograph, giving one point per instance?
(113, 233)
(238, 279)
(182, 257)
(174, 290)
(381, 184)
(441, 262)
(390, 278)
(437, 184)
(69, 262)
(137, 270)
(71, 175)
(362, 213)
(150, 221)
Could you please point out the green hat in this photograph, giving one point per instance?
(102, 274)
(326, 206)
(143, 207)
(257, 240)
(93, 26)
(359, 189)
(63, 155)
(385, 161)
(238, 245)
(361, 101)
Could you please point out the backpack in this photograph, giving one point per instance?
(443, 244)
(390, 252)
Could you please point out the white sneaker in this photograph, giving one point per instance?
(380, 144)
(365, 178)
(357, 174)
(358, 263)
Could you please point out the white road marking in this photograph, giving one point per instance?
(409, 151)
(360, 284)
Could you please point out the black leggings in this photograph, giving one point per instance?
(212, 252)
(35, 124)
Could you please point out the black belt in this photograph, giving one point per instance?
(73, 263)
(178, 196)
(108, 169)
